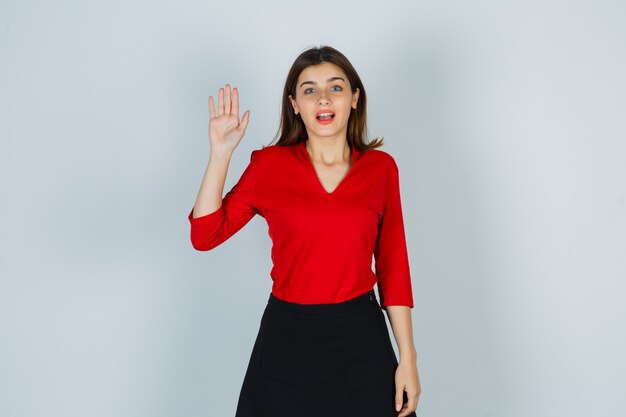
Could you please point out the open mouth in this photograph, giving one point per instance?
(325, 115)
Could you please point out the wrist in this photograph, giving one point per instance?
(408, 355)
(220, 155)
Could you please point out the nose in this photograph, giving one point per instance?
(323, 99)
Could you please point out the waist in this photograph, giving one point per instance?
(366, 299)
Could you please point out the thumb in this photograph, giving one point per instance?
(244, 121)
(399, 392)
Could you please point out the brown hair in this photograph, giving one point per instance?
(292, 129)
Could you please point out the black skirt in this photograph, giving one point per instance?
(321, 360)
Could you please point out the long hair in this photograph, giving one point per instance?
(292, 129)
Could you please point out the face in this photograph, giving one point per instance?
(324, 87)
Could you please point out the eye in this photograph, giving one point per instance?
(337, 87)
(305, 91)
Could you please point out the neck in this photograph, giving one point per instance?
(328, 152)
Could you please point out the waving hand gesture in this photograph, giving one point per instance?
(225, 129)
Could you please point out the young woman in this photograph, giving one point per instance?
(331, 201)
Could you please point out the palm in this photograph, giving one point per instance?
(225, 129)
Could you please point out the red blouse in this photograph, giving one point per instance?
(322, 243)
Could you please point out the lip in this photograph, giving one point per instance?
(324, 111)
(325, 122)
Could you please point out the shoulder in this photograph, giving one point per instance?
(270, 152)
(379, 159)
(270, 159)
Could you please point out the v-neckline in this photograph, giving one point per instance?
(354, 155)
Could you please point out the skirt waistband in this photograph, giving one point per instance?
(355, 303)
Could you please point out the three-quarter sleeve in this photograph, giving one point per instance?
(390, 253)
(236, 210)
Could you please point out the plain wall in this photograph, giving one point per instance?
(505, 118)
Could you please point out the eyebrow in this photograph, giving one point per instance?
(328, 80)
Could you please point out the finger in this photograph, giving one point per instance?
(211, 108)
(235, 106)
(244, 121)
(227, 109)
(412, 403)
(399, 399)
(220, 102)
(406, 410)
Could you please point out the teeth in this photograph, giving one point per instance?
(324, 114)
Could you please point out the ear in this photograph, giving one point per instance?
(293, 104)
(355, 98)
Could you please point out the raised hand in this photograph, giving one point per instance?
(225, 129)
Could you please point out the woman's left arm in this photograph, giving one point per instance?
(407, 378)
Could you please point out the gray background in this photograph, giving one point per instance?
(506, 120)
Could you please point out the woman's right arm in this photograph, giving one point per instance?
(213, 218)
